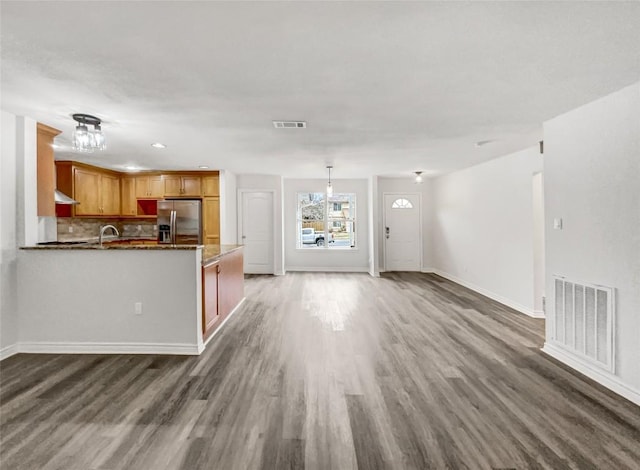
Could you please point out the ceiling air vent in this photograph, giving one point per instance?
(290, 124)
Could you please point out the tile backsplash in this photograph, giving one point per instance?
(80, 228)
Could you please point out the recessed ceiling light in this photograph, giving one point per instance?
(131, 168)
(158, 145)
(204, 167)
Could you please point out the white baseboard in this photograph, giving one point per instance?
(604, 378)
(333, 269)
(8, 351)
(480, 290)
(224, 321)
(49, 347)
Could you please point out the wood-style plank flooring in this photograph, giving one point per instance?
(324, 371)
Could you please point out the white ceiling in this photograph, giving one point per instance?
(386, 88)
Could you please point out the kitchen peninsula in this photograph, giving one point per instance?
(126, 298)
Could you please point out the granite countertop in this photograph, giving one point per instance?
(110, 246)
(212, 253)
(209, 252)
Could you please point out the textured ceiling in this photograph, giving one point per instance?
(386, 88)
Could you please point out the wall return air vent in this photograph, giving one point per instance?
(290, 124)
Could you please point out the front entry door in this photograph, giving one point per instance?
(402, 232)
(257, 232)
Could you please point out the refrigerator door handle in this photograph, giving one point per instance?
(173, 227)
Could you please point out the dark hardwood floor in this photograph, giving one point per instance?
(324, 371)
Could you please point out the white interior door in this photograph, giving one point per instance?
(257, 232)
(402, 232)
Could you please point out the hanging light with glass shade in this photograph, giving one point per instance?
(418, 178)
(85, 139)
(329, 186)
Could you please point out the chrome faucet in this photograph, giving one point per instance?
(104, 229)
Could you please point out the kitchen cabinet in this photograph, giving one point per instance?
(210, 313)
(222, 288)
(96, 190)
(230, 282)
(211, 220)
(151, 187)
(46, 176)
(128, 196)
(182, 185)
(211, 186)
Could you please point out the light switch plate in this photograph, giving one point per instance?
(557, 224)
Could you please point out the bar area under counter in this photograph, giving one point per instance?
(126, 298)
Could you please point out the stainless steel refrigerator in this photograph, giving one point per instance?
(180, 221)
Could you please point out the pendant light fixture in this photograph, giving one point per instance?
(85, 139)
(418, 178)
(329, 186)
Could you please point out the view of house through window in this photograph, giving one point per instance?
(326, 221)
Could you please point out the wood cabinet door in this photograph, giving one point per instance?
(211, 220)
(230, 282)
(156, 187)
(110, 194)
(209, 297)
(210, 186)
(46, 172)
(142, 187)
(128, 197)
(191, 186)
(86, 191)
(172, 185)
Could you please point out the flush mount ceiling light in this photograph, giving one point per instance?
(158, 145)
(203, 167)
(85, 139)
(329, 186)
(418, 178)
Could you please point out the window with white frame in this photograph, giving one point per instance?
(326, 221)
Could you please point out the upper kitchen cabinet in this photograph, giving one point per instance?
(151, 187)
(182, 185)
(46, 171)
(211, 220)
(210, 185)
(128, 202)
(96, 190)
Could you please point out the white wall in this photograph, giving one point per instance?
(407, 185)
(83, 301)
(483, 228)
(592, 182)
(374, 229)
(18, 215)
(301, 259)
(8, 252)
(228, 208)
(538, 244)
(269, 183)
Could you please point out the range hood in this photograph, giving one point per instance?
(62, 198)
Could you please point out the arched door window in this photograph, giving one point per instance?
(401, 203)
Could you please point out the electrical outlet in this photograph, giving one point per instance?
(70, 228)
(138, 308)
(139, 227)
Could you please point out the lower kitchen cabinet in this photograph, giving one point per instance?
(222, 290)
(210, 312)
